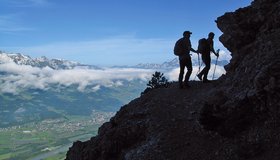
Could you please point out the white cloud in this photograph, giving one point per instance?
(23, 77)
(4, 58)
(173, 75)
(7, 87)
(95, 88)
(223, 55)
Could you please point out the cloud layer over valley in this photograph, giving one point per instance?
(19, 72)
(17, 77)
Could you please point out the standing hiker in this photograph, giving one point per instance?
(182, 49)
(205, 47)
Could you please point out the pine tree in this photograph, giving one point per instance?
(157, 81)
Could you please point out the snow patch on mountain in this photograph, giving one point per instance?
(40, 62)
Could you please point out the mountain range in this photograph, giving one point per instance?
(56, 64)
(41, 62)
(28, 88)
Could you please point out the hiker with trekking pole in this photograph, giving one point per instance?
(205, 47)
(182, 49)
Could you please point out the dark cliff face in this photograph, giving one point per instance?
(235, 118)
(251, 85)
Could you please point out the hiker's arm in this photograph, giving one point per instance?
(216, 54)
(190, 47)
(193, 50)
(213, 50)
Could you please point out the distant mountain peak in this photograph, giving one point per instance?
(40, 62)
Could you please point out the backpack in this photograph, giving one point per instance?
(203, 46)
(178, 49)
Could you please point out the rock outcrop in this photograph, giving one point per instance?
(234, 118)
(250, 89)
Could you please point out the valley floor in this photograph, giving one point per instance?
(48, 139)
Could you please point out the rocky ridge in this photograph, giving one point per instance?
(233, 118)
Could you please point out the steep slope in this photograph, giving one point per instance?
(158, 125)
(235, 118)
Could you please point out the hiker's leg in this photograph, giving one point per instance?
(207, 67)
(182, 70)
(204, 69)
(189, 67)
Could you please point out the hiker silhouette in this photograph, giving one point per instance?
(182, 49)
(205, 51)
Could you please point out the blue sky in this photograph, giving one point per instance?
(107, 32)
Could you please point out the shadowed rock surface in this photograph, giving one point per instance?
(233, 118)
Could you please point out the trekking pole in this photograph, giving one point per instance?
(199, 65)
(216, 64)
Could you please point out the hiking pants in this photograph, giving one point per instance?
(207, 62)
(185, 61)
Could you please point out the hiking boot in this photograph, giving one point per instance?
(199, 76)
(187, 85)
(181, 86)
(206, 81)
